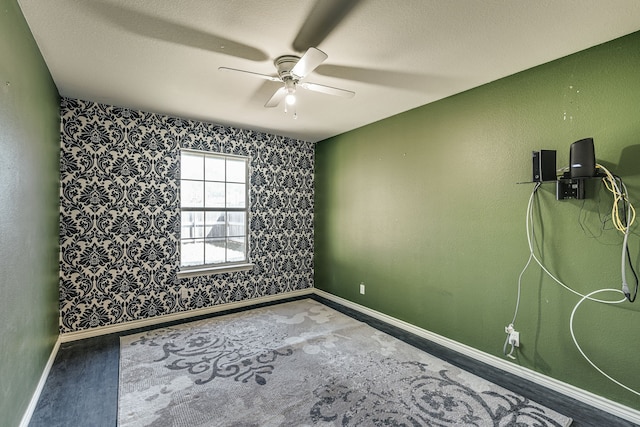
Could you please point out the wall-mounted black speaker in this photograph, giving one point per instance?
(582, 159)
(544, 165)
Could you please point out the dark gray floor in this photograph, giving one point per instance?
(82, 388)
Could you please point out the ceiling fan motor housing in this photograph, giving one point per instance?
(284, 64)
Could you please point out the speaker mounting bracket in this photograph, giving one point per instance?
(570, 188)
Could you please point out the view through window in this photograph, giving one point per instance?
(213, 205)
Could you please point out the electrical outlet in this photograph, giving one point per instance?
(514, 338)
(362, 288)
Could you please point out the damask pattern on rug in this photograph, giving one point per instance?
(421, 397)
(303, 363)
(120, 216)
(243, 356)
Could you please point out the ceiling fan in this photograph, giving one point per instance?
(291, 71)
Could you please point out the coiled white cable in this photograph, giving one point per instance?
(575, 341)
(531, 239)
(619, 195)
(532, 255)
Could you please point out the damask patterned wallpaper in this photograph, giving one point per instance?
(120, 222)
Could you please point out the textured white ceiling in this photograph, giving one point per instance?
(163, 56)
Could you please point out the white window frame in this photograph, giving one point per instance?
(216, 268)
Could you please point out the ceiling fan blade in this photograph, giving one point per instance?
(322, 19)
(251, 73)
(327, 89)
(309, 61)
(276, 98)
(422, 82)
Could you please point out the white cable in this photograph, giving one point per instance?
(513, 347)
(515, 314)
(526, 266)
(532, 255)
(575, 341)
(529, 212)
(620, 193)
(531, 238)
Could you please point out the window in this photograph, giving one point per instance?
(213, 212)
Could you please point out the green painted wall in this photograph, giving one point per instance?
(29, 144)
(424, 208)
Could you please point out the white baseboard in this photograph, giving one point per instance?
(26, 417)
(574, 392)
(183, 315)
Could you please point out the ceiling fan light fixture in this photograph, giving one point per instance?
(290, 99)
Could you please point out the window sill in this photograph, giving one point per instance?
(207, 271)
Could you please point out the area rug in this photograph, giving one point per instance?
(302, 363)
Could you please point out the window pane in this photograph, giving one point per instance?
(186, 225)
(192, 225)
(236, 225)
(236, 170)
(191, 166)
(214, 251)
(216, 224)
(192, 252)
(210, 186)
(214, 194)
(214, 169)
(191, 194)
(236, 196)
(236, 249)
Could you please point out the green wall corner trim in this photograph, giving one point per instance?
(569, 390)
(26, 417)
(29, 212)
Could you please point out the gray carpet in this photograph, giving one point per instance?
(302, 364)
